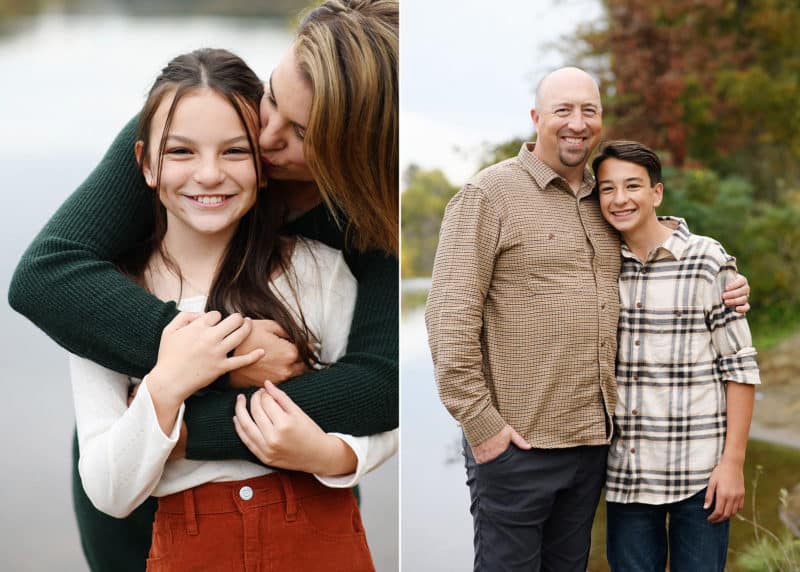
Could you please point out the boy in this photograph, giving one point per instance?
(685, 381)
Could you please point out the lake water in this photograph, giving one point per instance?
(436, 527)
(70, 82)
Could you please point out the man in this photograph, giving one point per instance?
(522, 318)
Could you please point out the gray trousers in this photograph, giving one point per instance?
(533, 510)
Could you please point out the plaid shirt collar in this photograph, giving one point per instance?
(674, 247)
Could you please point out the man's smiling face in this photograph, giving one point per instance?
(568, 119)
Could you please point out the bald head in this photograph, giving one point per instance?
(568, 120)
(564, 80)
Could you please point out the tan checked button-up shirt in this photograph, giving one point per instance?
(678, 346)
(522, 312)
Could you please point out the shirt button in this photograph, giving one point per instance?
(245, 493)
(638, 304)
(602, 344)
(635, 378)
(633, 449)
(635, 412)
(603, 306)
(678, 313)
(551, 236)
(636, 343)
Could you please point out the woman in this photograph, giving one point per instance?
(67, 284)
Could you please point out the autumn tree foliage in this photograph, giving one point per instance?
(713, 83)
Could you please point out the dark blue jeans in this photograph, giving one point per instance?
(637, 536)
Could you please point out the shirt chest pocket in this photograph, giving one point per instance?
(555, 261)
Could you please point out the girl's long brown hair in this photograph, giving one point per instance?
(256, 252)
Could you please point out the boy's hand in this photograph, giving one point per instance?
(737, 294)
(726, 491)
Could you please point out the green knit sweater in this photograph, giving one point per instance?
(66, 284)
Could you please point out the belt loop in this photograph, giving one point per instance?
(288, 493)
(191, 516)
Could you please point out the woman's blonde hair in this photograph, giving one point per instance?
(348, 52)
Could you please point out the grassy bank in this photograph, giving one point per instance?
(780, 469)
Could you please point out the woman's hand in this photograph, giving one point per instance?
(280, 361)
(281, 435)
(194, 352)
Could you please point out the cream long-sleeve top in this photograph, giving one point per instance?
(123, 451)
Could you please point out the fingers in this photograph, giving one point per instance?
(246, 428)
(275, 328)
(280, 397)
(233, 339)
(270, 327)
(263, 418)
(272, 408)
(229, 325)
(519, 440)
(737, 287)
(249, 358)
(743, 309)
(710, 490)
(212, 318)
(181, 320)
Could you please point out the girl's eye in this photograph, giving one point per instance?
(300, 132)
(177, 151)
(238, 151)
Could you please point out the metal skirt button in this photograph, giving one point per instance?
(245, 493)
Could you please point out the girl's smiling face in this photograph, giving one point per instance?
(208, 177)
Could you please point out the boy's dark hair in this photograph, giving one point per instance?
(632, 152)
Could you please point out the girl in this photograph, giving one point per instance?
(197, 150)
(345, 147)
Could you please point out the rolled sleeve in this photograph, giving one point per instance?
(730, 333)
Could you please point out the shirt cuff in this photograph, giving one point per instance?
(144, 404)
(488, 424)
(371, 451)
(740, 367)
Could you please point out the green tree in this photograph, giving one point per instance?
(423, 202)
(712, 82)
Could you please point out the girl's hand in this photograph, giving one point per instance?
(194, 352)
(281, 435)
(280, 361)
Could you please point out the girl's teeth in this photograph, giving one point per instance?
(206, 200)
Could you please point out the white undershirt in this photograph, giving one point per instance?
(123, 451)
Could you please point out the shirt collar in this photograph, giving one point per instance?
(543, 174)
(676, 244)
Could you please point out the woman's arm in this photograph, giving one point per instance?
(66, 284)
(357, 395)
(282, 436)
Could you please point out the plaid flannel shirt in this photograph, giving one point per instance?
(677, 346)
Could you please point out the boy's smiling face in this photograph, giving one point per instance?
(627, 199)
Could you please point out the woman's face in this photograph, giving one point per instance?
(285, 109)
